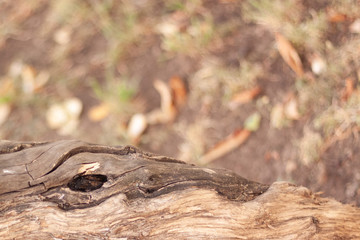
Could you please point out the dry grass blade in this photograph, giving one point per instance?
(289, 54)
(233, 141)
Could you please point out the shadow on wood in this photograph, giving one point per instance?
(77, 190)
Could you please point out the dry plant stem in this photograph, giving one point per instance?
(75, 190)
(167, 112)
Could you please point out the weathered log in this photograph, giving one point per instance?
(76, 190)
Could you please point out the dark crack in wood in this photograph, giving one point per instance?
(82, 175)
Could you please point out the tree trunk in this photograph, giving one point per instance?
(76, 190)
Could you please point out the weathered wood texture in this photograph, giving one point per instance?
(76, 190)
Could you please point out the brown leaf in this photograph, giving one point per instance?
(336, 17)
(244, 97)
(231, 142)
(99, 112)
(289, 54)
(178, 90)
(348, 90)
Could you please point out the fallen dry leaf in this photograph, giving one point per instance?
(244, 97)
(318, 64)
(336, 17)
(283, 113)
(62, 36)
(16, 69)
(173, 24)
(231, 142)
(167, 105)
(348, 90)
(156, 116)
(33, 81)
(168, 111)
(272, 155)
(136, 127)
(69, 128)
(28, 79)
(252, 123)
(291, 109)
(167, 28)
(73, 107)
(99, 112)
(64, 116)
(178, 90)
(355, 26)
(289, 54)
(56, 116)
(41, 79)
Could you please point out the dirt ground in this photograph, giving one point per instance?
(208, 63)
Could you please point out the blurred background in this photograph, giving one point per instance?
(266, 88)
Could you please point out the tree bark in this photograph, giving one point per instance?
(77, 190)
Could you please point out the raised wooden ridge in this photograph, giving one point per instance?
(75, 190)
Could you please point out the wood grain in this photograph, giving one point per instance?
(77, 190)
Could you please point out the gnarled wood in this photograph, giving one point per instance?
(76, 190)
